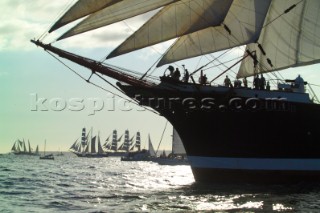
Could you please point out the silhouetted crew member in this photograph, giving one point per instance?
(256, 82)
(262, 82)
(186, 76)
(176, 74)
(299, 84)
(227, 81)
(171, 69)
(204, 79)
(268, 86)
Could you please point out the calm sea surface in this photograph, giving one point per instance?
(73, 184)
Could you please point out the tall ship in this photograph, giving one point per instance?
(20, 148)
(141, 154)
(231, 132)
(87, 146)
(118, 148)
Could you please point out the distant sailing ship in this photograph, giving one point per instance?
(87, 146)
(115, 148)
(178, 155)
(141, 155)
(48, 156)
(19, 148)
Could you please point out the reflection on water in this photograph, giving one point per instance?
(109, 185)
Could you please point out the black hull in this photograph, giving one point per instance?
(275, 142)
(254, 177)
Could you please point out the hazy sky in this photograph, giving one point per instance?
(31, 81)
(29, 76)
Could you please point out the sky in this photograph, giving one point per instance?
(33, 82)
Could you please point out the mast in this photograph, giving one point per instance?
(138, 141)
(114, 145)
(44, 150)
(126, 143)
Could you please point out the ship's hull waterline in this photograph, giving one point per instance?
(235, 139)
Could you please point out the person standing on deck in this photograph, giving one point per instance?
(227, 81)
(262, 82)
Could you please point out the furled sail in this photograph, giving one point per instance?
(289, 41)
(117, 12)
(100, 150)
(81, 9)
(138, 141)
(242, 25)
(175, 20)
(114, 145)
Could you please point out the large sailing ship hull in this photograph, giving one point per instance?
(242, 139)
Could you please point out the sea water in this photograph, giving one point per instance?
(74, 184)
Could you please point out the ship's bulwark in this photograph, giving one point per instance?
(274, 142)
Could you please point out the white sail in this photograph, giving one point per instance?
(29, 146)
(93, 145)
(152, 152)
(80, 9)
(290, 41)
(177, 145)
(100, 150)
(175, 20)
(14, 149)
(24, 146)
(242, 25)
(74, 145)
(115, 13)
(37, 150)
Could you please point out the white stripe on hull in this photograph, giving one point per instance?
(255, 163)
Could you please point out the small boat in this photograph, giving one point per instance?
(46, 157)
(178, 154)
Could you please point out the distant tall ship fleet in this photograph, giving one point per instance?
(19, 148)
(86, 147)
(128, 148)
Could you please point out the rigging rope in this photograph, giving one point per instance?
(45, 33)
(165, 127)
(129, 100)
